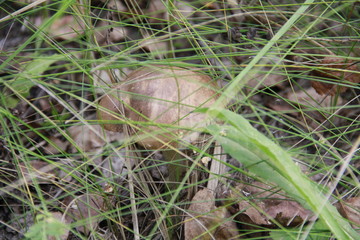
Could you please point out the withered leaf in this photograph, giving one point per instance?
(67, 28)
(206, 221)
(337, 70)
(350, 209)
(91, 138)
(55, 145)
(87, 210)
(44, 172)
(261, 204)
(270, 80)
(308, 100)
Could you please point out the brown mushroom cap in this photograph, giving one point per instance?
(160, 94)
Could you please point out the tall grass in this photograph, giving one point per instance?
(51, 83)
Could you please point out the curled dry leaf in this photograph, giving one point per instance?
(55, 145)
(155, 47)
(261, 204)
(337, 70)
(67, 28)
(113, 164)
(350, 209)
(105, 33)
(266, 77)
(115, 4)
(157, 11)
(183, 11)
(235, 10)
(91, 138)
(309, 97)
(87, 209)
(205, 221)
(309, 101)
(270, 80)
(44, 172)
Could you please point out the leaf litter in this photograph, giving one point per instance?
(225, 215)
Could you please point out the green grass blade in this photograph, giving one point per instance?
(240, 80)
(269, 161)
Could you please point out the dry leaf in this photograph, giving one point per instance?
(309, 97)
(44, 172)
(116, 5)
(87, 209)
(336, 74)
(275, 77)
(154, 46)
(350, 209)
(260, 204)
(55, 145)
(270, 80)
(183, 10)
(105, 78)
(105, 34)
(91, 138)
(309, 101)
(67, 28)
(236, 11)
(113, 165)
(206, 221)
(156, 11)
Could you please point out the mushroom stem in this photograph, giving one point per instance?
(177, 167)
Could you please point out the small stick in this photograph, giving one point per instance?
(217, 168)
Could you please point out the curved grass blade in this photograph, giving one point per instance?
(266, 159)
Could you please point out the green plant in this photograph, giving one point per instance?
(57, 58)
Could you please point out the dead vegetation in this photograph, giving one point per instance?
(62, 172)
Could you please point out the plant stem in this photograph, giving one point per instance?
(177, 167)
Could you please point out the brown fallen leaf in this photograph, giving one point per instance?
(91, 138)
(350, 209)
(206, 221)
(337, 70)
(154, 46)
(312, 99)
(316, 106)
(67, 28)
(271, 80)
(262, 204)
(105, 33)
(156, 11)
(55, 145)
(44, 172)
(86, 209)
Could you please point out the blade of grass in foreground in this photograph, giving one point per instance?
(266, 159)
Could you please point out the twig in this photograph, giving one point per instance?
(11, 15)
(217, 167)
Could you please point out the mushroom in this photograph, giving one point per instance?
(159, 102)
